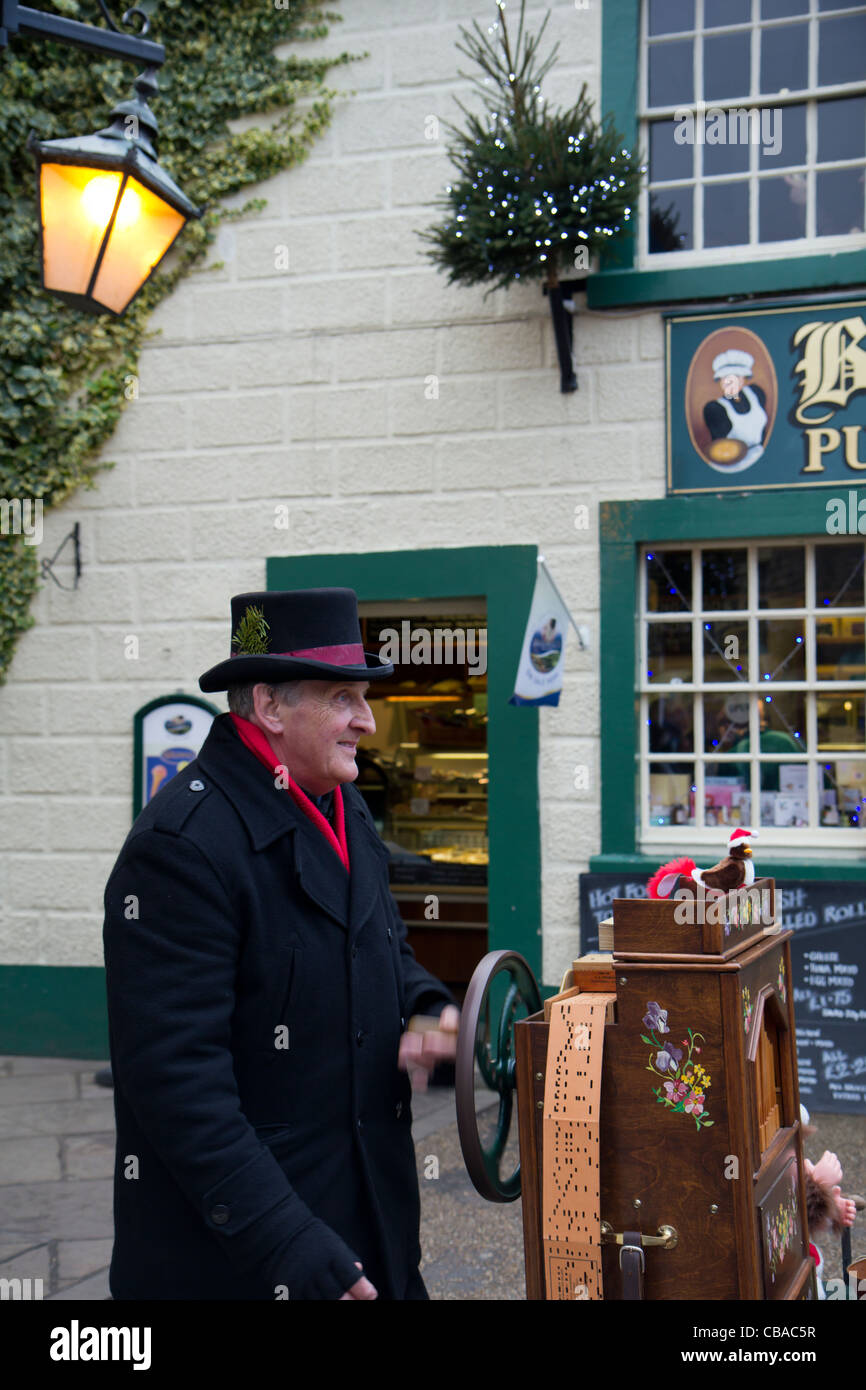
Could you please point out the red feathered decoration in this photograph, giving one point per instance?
(656, 887)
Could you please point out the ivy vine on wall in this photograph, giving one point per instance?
(62, 372)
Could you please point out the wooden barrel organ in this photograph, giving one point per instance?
(658, 1107)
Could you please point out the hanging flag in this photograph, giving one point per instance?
(542, 658)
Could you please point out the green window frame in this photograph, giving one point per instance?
(618, 282)
(625, 527)
(505, 576)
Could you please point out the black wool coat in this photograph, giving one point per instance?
(256, 998)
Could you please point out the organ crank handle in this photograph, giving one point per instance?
(502, 990)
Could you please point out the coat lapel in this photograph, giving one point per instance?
(368, 861)
(320, 873)
(270, 813)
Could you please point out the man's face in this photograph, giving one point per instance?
(732, 385)
(321, 733)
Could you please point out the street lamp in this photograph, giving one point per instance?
(108, 212)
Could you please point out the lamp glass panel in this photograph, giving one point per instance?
(144, 229)
(76, 207)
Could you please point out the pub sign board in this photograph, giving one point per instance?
(828, 960)
(767, 398)
(167, 735)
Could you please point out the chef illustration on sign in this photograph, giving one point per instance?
(737, 420)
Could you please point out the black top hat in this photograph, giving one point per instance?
(297, 634)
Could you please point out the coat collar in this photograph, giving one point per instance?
(268, 813)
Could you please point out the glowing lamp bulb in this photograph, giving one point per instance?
(98, 198)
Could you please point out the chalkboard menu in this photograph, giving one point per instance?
(828, 958)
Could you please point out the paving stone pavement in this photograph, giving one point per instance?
(57, 1159)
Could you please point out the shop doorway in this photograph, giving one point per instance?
(482, 906)
(424, 774)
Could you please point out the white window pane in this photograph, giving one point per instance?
(781, 650)
(841, 129)
(840, 653)
(782, 577)
(671, 16)
(842, 49)
(671, 724)
(782, 208)
(669, 653)
(671, 794)
(840, 201)
(841, 722)
(785, 58)
(783, 137)
(727, 63)
(730, 156)
(671, 222)
(726, 214)
(780, 9)
(839, 576)
(668, 159)
(724, 579)
(670, 73)
(842, 792)
(719, 12)
(726, 650)
(669, 581)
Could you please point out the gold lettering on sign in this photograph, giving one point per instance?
(833, 366)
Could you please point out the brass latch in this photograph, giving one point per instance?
(666, 1238)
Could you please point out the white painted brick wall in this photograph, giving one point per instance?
(306, 386)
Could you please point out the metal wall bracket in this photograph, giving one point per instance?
(46, 569)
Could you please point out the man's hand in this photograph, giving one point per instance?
(426, 1042)
(359, 1292)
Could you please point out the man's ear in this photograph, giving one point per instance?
(266, 707)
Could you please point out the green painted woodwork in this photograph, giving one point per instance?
(53, 1011)
(617, 282)
(624, 527)
(617, 286)
(505, 575)
(620, 27)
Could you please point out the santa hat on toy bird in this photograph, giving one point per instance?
(736, 870)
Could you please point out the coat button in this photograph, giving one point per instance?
(196, 786)
(360, 1126)
(389, 933)
(219, 1216)
(359, 1037)
(402, 1023)
(398, 1109)
(354, 952)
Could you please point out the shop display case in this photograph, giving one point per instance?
(424, 776)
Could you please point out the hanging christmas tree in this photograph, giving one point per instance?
(539, 190)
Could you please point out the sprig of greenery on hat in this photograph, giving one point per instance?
(251, 636)
(538, 189)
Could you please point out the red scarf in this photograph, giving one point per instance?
(257, 743)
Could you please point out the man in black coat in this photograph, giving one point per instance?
(260, 986)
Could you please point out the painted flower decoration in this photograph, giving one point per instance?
(781, 1227)
(668, 1058)
(656, 1018)
(688, 1081)
(747, 1009)
(781, 983)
